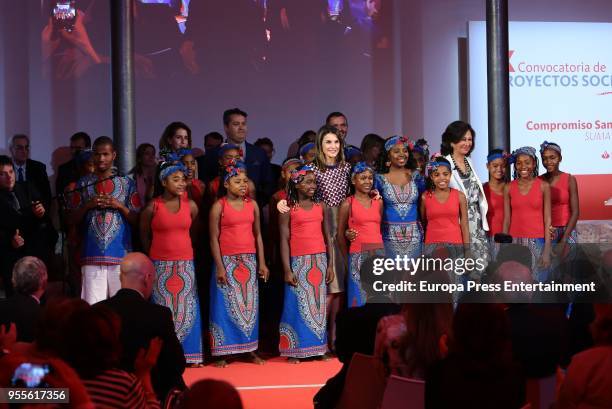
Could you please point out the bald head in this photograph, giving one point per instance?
(137, 273)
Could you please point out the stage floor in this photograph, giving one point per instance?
(277, 384)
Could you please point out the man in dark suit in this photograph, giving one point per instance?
(141, 321)
(69, 172)
(11, 242)
(29, 170)
(23, 308)
(356, 332)
(257, 162)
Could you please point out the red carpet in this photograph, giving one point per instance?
(277, 384)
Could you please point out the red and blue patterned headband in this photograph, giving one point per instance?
(297, 175)
(235, 168)
(171, 169)
(398, 140)
(434, 163)
(499, 155)
(550, 145)
(361, 167)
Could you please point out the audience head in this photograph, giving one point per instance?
(428, 329)
(20, 148)
(137, 273)
(267, 145)
(30, 276)
(601, 328)
(515, 273)
(338, 120)
(104, 154)
(235, 126)
(329, 147)
(481, 332)
(459, 138)
(177, 135)
(79, 142)
(91, 341)
(51, 326)
(7, 173)
(514, 252)
(211, 393)
(212, 140)
(372, 147)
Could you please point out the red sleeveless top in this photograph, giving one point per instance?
(170, 231)
(527, 217)
(367, 222)
(560, 210)
(443, 219)
(197, 192)
(495, 213)
(306, 231)
(237, 229)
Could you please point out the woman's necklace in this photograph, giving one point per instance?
(468, 169)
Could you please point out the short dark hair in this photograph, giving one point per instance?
(103, 140)
(264, 141)
(453, 134)
(213, 135)
(18, 136)
(5, 160)
(334, 115)
(234, 111)
(307, 136)
(83, 136)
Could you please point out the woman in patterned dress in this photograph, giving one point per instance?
(457, 144)
(400, 188)
(237, 249)
(165, 225)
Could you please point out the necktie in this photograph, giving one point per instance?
(14, 201)
(20, 177)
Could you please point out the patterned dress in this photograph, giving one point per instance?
(479, 243)
(332, 188)
(303, 326)
(175, 286)
(234, 307)
(401, 230)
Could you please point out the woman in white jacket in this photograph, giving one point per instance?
(457, 144)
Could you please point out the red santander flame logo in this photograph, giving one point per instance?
(510, 67)
(605, 155)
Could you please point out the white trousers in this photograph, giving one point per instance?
(99, 282)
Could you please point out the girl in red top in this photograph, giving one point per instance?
(305, 240)
(165, 225)
(494, 190)
(565, 208)
(527, 210)
(443, 209)
(237, 249)
(362, 215)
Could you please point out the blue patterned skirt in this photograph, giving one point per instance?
(356, 296)
(402, 238)
(175, 288)
(303, 326)
(536, 247)
(234, 308)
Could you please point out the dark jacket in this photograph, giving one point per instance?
(142, 321)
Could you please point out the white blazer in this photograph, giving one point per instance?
(456, 183)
